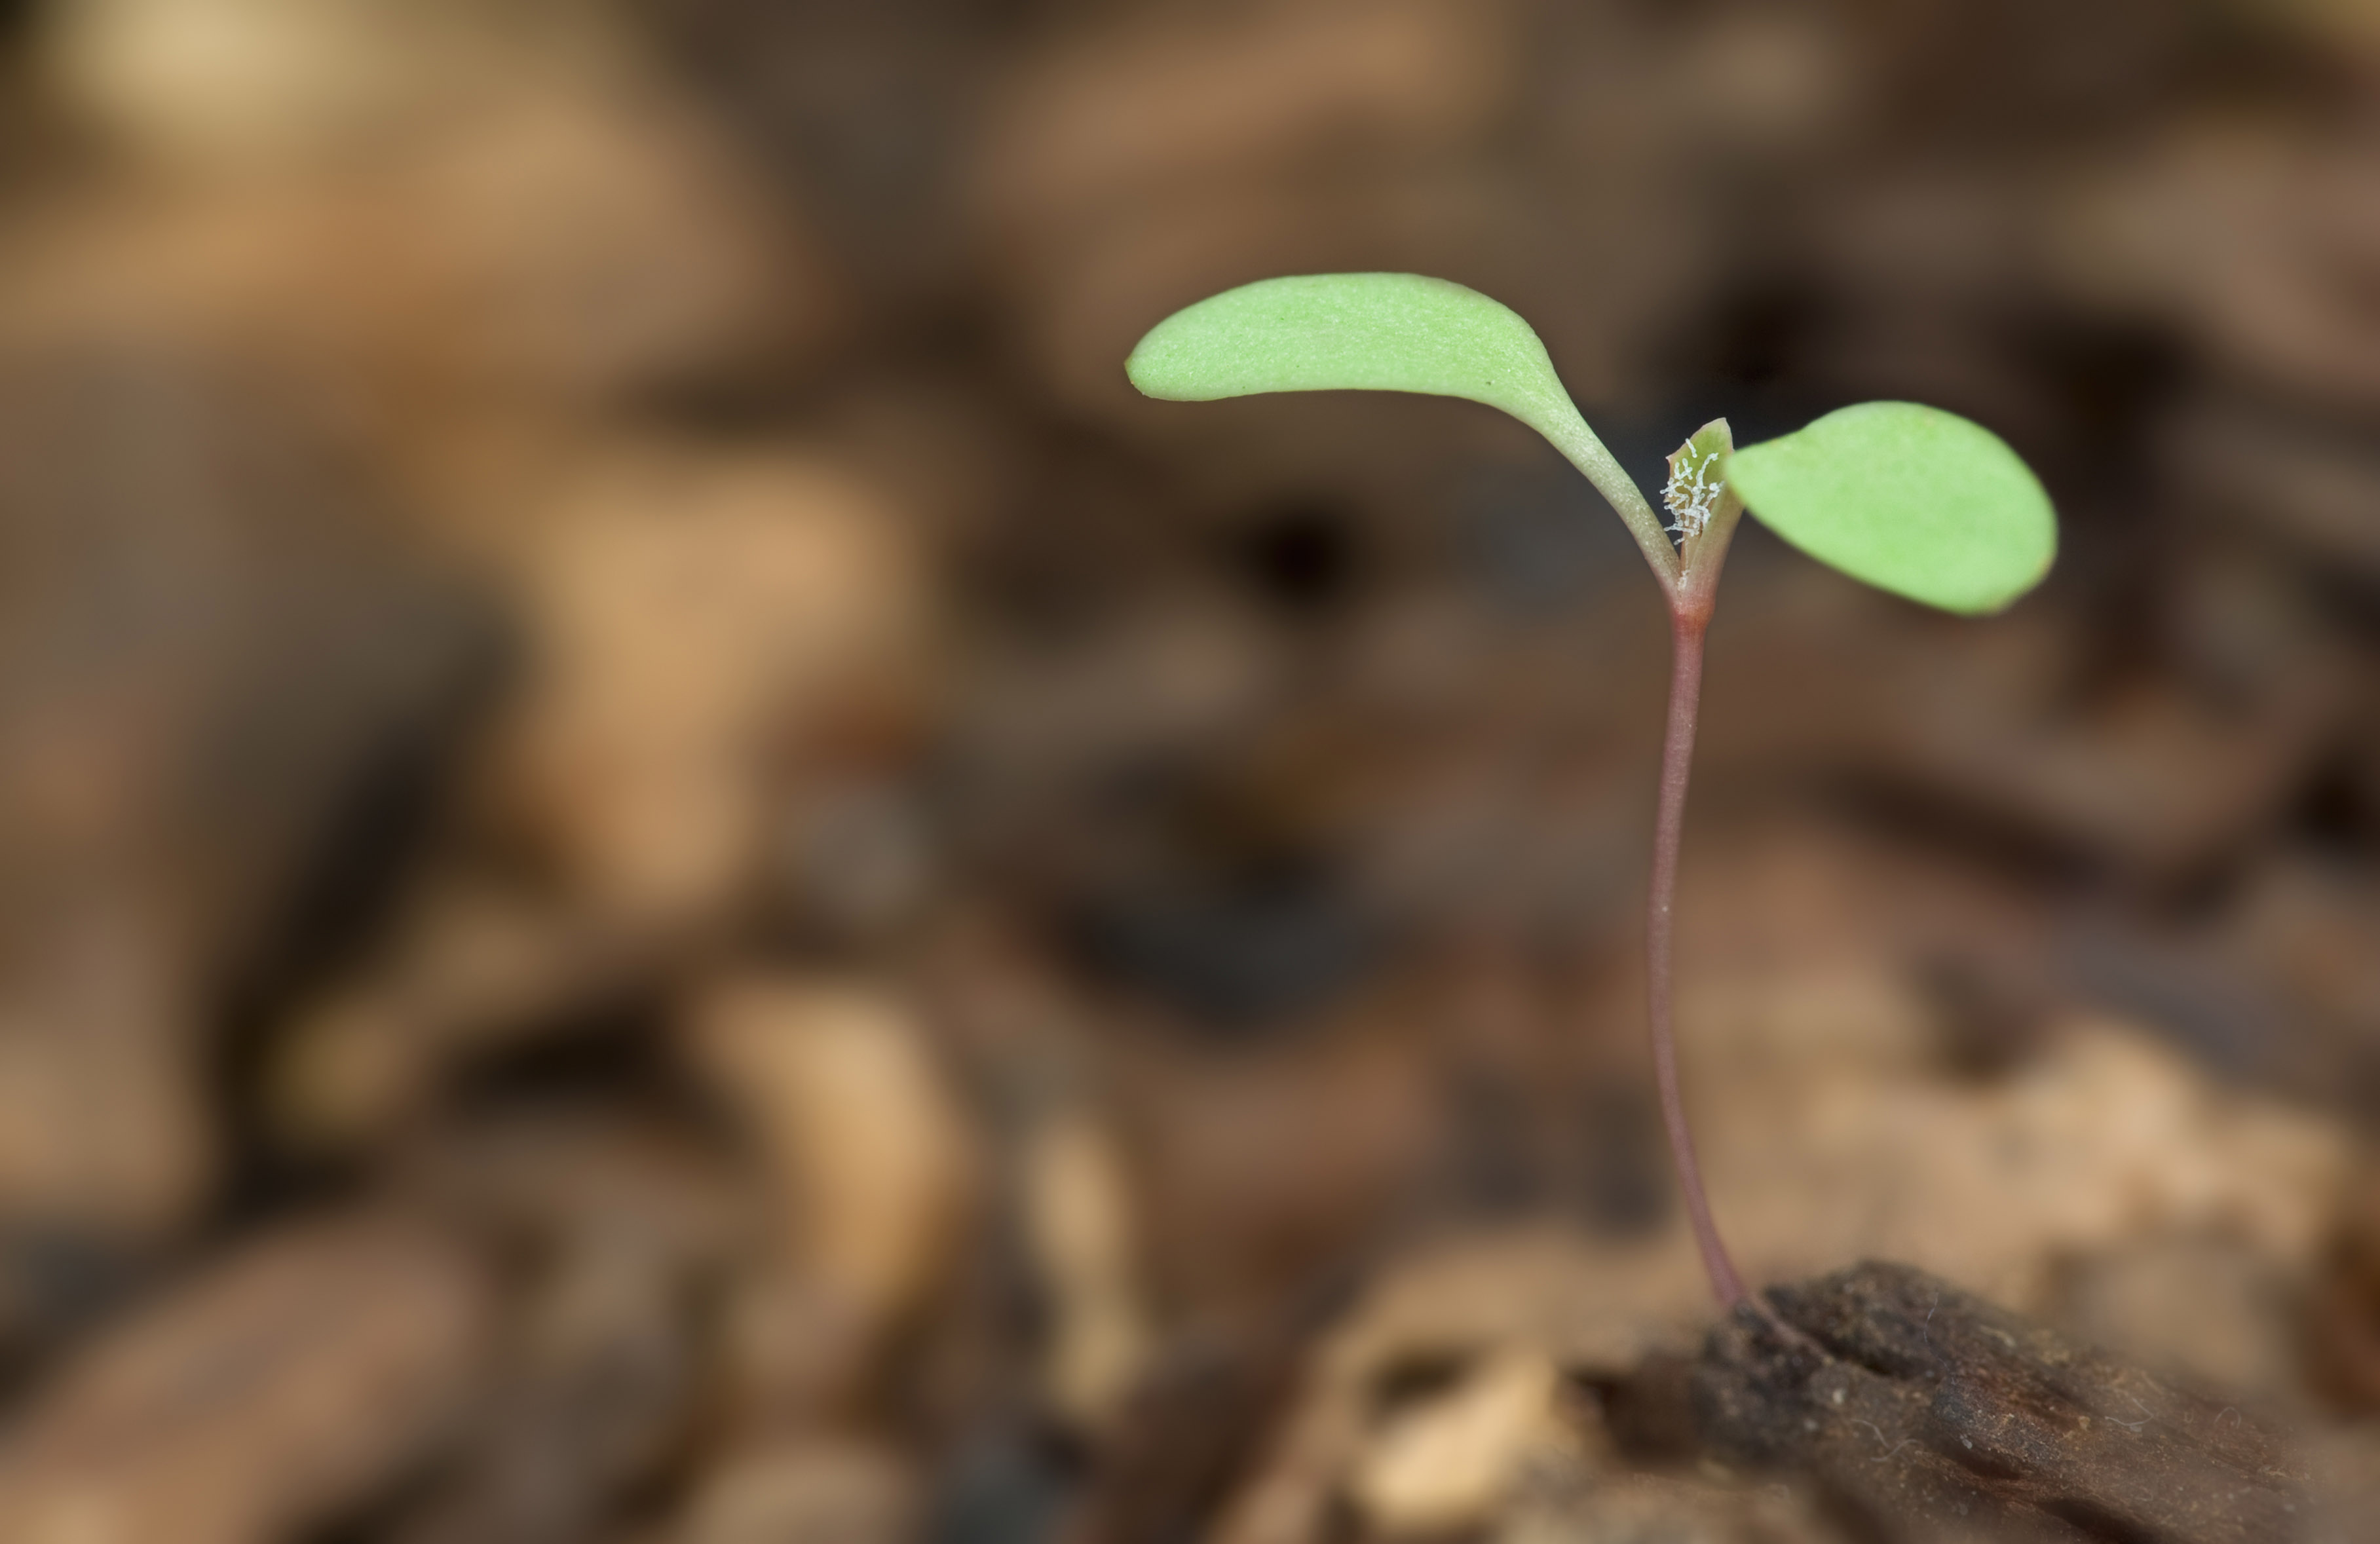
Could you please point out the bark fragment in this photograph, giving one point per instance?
(1927, 1414)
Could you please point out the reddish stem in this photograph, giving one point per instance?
(1688, 624)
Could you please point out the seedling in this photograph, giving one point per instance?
(1910, 499)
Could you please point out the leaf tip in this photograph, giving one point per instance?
(1146, 367)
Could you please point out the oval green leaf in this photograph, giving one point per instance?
(1357, 332)
(1908, 498)
(1353, 331)
(1382, 332)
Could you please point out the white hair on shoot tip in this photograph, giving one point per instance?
(1693, 492)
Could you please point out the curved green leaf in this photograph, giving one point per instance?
(1363, 332)
(1381, 332)
(1908, 498)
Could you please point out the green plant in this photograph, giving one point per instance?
(1910, 499)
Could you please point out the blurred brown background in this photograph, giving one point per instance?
(669, 874)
